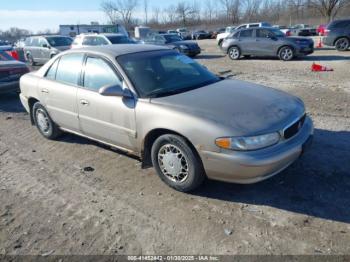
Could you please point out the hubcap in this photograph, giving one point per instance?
(342, 44)
(234, 53)
(43, 120)
(173, 163)
(287, 54)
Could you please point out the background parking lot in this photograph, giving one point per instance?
(74, 196)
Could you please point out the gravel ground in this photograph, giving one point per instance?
(52, 204)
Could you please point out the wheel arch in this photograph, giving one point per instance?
(152, 136)
(286, 45)
(343, 36)
(234, 45)
(31, 102)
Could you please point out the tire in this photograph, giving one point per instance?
(44, 123)
(234, 53)
(286, 53)
(30, 59)
(176, 163)
(342, 44)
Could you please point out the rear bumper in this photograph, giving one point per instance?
(9, 87)
(254, 166)
(24, 102)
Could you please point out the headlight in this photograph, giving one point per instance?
(248, 143)
(183, 47)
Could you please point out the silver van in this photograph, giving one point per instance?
(40, 49)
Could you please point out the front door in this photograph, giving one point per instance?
(110, 119)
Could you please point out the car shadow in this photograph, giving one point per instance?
(10, 103)
(208, 56)
(316, 185)
(326, 58)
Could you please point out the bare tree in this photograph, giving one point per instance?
(156, 12)
(145, 6)
(209, 10)
(232, 9)
(170, 12)
(329, 8)
(251, 9)
(120, 10)
(184, 11)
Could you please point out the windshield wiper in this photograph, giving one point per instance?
(158, 93)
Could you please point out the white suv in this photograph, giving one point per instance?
(84, 40)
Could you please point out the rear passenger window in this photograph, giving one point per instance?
(98, 74)
(69, 69)
(51, 74)
(264, 33)
(246, 33)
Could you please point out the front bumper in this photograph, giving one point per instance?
(8, 87)
(254, 166)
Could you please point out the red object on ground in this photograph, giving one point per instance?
(320, 68)
(320, 45)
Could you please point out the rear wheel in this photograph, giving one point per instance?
(234, 53)
(342, 44)
(286, 53)
(176, 163)
(44, 123)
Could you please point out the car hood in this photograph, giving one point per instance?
(245, 108)
(222, 35)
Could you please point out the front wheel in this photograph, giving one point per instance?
(234, 53)
(342, 44)
(286, 53)
(44, 123)
(176, 163)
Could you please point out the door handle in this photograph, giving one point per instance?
(84, 102)
(44, 90)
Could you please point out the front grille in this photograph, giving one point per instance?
(293, 129)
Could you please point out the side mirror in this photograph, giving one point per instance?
(115, 90)
(45, 46)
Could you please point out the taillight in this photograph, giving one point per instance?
(326, 32)
(288, 33)
(14, 54)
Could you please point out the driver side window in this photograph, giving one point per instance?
(98, 74)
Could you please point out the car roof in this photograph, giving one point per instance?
(118, 50)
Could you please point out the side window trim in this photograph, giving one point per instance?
(107, 61)
(53, 64)
(80, 73)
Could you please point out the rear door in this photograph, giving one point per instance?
(247, 42)
(110, 119)
(58, 90)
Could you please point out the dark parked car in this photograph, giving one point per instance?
(173, 41)
(10, 72)
(40, 49)
(338, 34)
(197, 35)
(266, 41)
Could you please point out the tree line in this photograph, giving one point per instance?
(224, 12)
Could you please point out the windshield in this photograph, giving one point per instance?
(5, 56)
(172, 38)
(163, 73)
(119, 39)
(59, 41)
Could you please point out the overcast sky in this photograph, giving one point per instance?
(49, 14)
